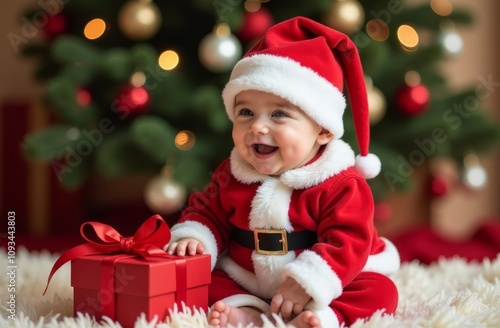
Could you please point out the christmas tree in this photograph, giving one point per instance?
(135, 85)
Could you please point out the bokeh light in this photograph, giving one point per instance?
(408, 37)
(185, 140)
(94, 29)
(252, 5)
(441, 7)
(138, 79)
(168, 60)
(377, 30)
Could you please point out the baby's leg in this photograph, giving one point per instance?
(367, 293)
(306, 319)
(222, 315)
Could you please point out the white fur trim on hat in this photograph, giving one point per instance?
(369, 165)
(288, 79)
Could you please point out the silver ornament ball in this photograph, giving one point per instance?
(475, 177)
(452, 42)
(219, 53)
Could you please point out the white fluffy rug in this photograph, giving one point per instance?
(451, 293)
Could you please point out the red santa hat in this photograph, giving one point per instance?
(307, 64)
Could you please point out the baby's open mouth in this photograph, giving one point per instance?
(264, 149)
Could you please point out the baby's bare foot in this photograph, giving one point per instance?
(222, 315)
(306, 319)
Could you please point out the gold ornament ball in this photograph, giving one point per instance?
(347, 16)
(139, 20)
(164, 195)
(376, 105)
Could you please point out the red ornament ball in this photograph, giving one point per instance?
(413, 100)
(383, 211)
(132, 100)
(438, 186)
(255, 24)
(83, 97)
(55, 26)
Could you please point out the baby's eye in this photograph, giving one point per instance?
(280, 113)
(245, 112)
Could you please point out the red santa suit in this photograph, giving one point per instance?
(344, 270)
(327, 196)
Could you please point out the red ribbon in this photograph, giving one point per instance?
(147, 242)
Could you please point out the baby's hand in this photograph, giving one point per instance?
(289, 300)
(185, 246)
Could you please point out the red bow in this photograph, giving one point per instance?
(148, 241)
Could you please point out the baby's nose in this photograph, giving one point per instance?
(259, 126)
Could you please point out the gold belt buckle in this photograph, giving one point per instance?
(283, 241)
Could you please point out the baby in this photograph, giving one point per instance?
(288, 217)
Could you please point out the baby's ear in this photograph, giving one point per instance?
(324, 137)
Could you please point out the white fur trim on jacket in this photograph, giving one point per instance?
(318, 279)
(385, 262)
(288, 79)
(270, 206)
(193, 229)
(336, 157)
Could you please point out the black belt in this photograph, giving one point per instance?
(274, 242)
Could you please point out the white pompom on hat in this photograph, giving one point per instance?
(307, 64)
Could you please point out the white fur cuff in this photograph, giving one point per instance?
(314, 274)
(192, 229)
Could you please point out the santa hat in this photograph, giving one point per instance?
(307, 63)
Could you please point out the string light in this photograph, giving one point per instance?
(377, 30)
(222, 30)
(252, 5)
(185, 140)
(138, 79)
(412, 78)
(168, 60)
(441, 7)
(94, 29)
(408, 37)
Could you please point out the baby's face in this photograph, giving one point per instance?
(272, 135)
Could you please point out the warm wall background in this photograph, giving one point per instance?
(462, 211)
(456, 215)
(459, 213)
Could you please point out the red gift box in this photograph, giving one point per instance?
(137, 285)
(122, 277)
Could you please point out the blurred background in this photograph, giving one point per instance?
(112, 112)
